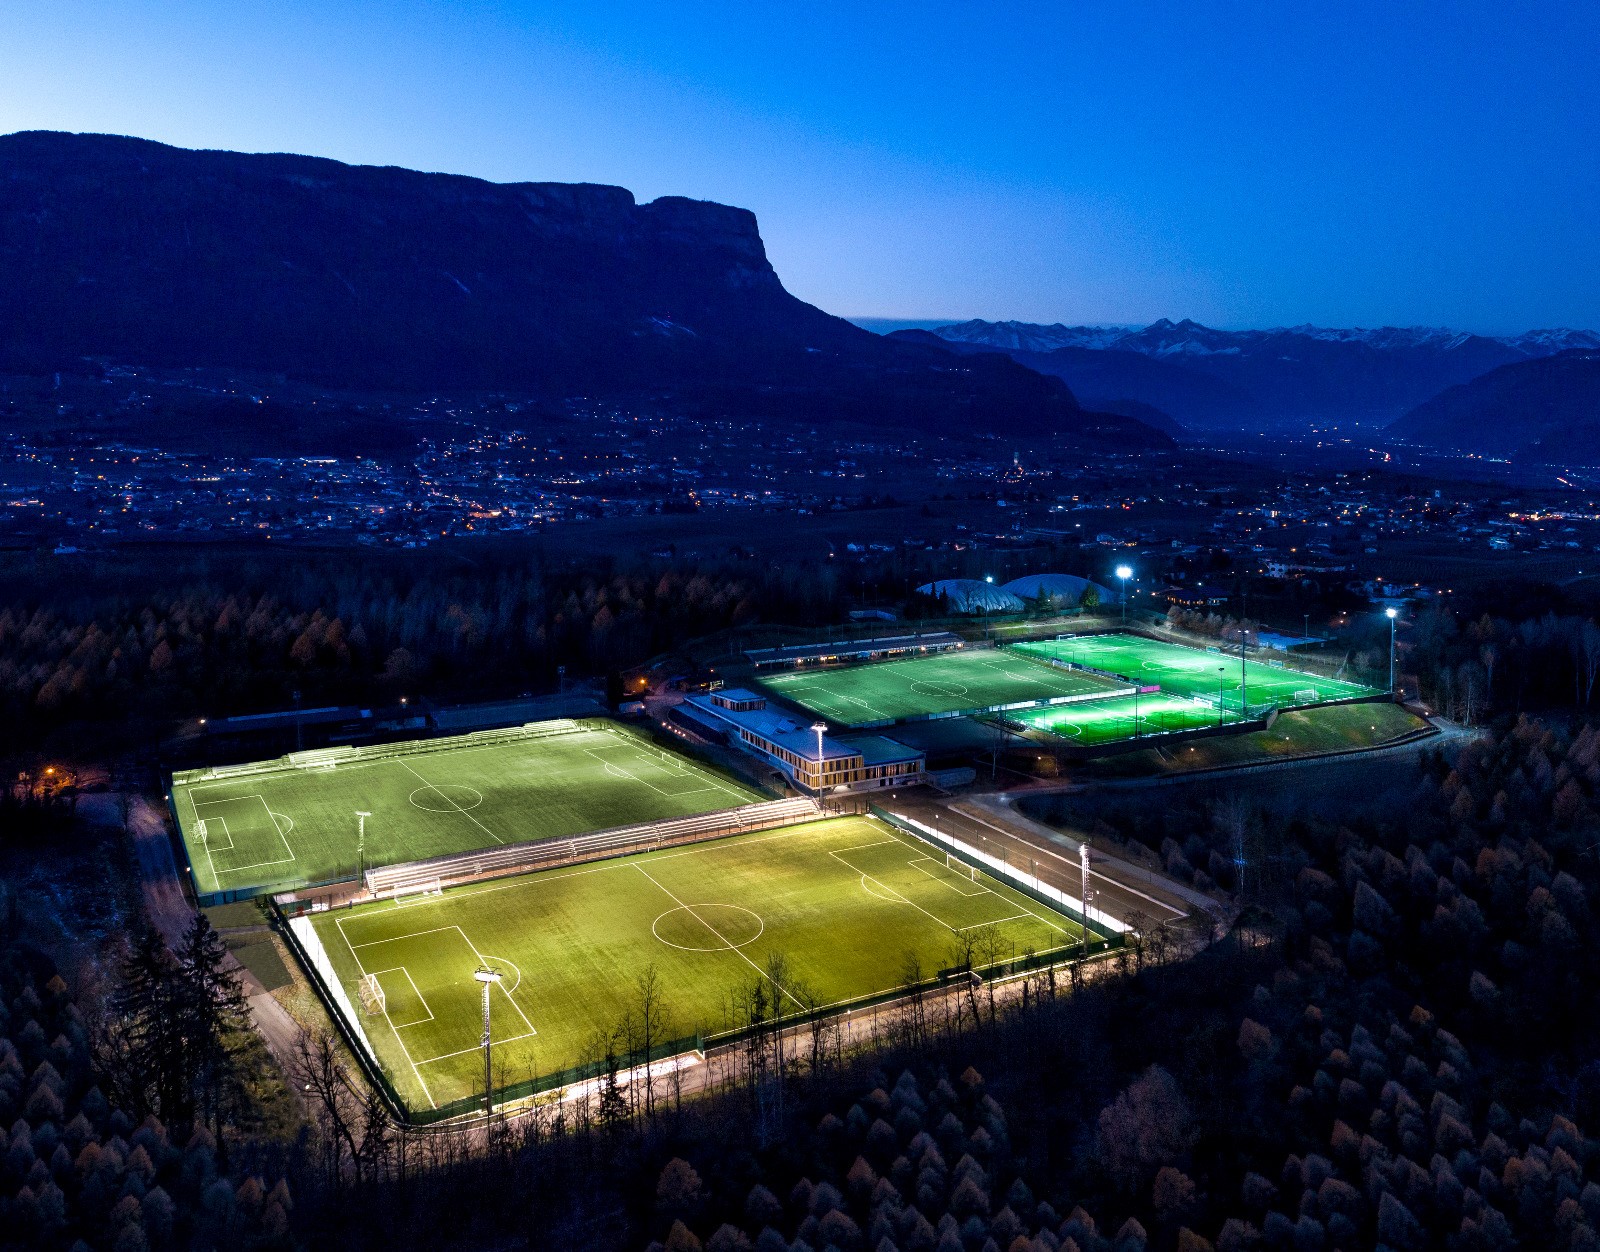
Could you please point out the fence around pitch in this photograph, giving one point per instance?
(307, 948)
(519, 858)
(1091, 918)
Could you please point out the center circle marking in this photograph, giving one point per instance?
(686, 927)
(446, 798)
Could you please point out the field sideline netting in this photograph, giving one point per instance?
(516, 858)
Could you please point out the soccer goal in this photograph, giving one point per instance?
(956, 865)
(371, 992)
(200, 831)
(417, 888)
(1306, 695)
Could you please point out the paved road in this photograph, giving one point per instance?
(171, 913)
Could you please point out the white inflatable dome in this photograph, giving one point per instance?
(969, 595)
(1066, 589)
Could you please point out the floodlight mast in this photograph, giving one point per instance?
(1083, 866)
(361, 840)
(488, 978)
(819, 728)
(1391, 613)
(1124, 572)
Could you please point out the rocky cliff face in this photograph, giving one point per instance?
(382, 278)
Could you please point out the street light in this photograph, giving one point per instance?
(1124, 572)
(1391, 614)
(488, 978)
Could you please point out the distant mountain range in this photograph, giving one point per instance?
(366, 278)
(1544, 410)
(1256, 379)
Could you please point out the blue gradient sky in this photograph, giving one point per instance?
(1242, 164)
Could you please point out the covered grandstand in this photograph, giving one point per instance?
(972, 595)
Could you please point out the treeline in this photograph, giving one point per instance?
(1473, 667)
(113, 1151)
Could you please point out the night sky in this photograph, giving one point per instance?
(1241, 164)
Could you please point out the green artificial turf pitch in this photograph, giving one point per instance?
(290, 826)
(843, 900)
(954, 682)
(1111, 721)
(1184, 671)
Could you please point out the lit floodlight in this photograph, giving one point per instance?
(1124, 571)
(988, 578)
(486, 975)
(1391, 612)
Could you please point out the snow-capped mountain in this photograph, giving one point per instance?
(1284, 376)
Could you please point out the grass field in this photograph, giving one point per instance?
(844, 901)
(1184, 671)
(1109, 721)
(292, 826)
(955, 682)
(1296, 732)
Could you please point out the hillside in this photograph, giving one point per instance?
(1546, 410)
(360, 277)
(1259, 379)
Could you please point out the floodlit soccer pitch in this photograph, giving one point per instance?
(290, 826)
(1183, 671)
(1113, 720)
(954, 682)
(844, 900)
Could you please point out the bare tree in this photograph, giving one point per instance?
(336, 1106)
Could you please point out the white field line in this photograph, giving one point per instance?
(393, 1029)
(1021, 903)
(401, 969)
(272, 820)
(690, 909)
(464, 813)
(482, 959)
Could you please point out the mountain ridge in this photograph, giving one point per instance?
(378, 277)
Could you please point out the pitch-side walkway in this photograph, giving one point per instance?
(170, 913)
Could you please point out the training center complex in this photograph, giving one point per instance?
(529, 878)
(1089, 694)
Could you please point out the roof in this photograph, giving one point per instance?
(853, 647)
(969, 595)
(775, 727)
(877, 750)
(1068, 587)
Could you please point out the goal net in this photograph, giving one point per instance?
(200, 830)
(418, 887)
(1306, 695)
(371, 992)
(956, 865)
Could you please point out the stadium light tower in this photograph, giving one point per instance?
(819, 727)
(1083, 866)
(1391, 614)
(1124, 572)
(488, 978)
(361, 840)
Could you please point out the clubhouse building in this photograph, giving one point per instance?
(740, 718)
